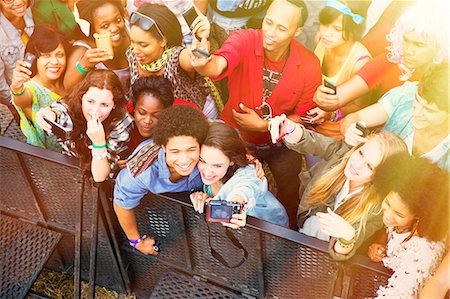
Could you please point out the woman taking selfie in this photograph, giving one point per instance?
(156, 50)
(227, 175)
(40, 83)
(339, 203)
(96, 122)
(105, 18)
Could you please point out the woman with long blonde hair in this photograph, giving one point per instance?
(339, 203)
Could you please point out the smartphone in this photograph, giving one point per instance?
(104, 41)
(190, 16)
(360, 126)
(59, 131)
(28, 59)
(329, 85)
(199, 53)
(308, 117)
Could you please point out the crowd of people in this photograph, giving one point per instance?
(205, 96)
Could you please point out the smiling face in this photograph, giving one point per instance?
(146, 112)
(97, 102)
(50, 66)
(13, 9)
(417, 54)
(146, 48)
(331, 35)
(396, 213)
(213, 165)
(280, 26)
(182, 154)
(107, 18)
(426, 115)
(362, 162)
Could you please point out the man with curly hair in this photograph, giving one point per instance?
(166, 163)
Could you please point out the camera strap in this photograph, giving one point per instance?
(235, 242)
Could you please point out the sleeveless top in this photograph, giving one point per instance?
(357, 52)
(41, 97)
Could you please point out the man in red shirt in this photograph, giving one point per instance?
(269, 73)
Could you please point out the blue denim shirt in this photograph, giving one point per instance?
(129, 190)
(260, 202)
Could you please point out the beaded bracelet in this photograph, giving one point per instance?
(336, 115)
(80, 69)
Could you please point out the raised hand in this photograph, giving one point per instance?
(201, 26)
(353, 136)
(237, 220)
(95, 130)
(198, 200)
(21, 75)
(48, 114)
(326, 99)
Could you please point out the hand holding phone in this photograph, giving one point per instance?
(59, 131)
(190, 16)
(329, 85)
(103, 41)
(362, 127)
(29, 59)
(199, 53)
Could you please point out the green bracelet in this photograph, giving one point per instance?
(100, 146)
(80, 69)
(18, 94)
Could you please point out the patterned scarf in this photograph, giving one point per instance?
(157, 65)
(143, 159)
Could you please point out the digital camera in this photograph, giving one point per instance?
(221, 210)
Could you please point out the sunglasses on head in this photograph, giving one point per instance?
(144, 22)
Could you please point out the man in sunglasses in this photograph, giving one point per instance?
(269, 73)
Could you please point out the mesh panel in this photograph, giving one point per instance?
(58, 188)
(15, 191)
(291, 269)
(178, 286)
(8, 126)
(245, 278)
(24, 248)
(365, 282)
(163, 220)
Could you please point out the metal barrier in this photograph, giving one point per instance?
(46, 188)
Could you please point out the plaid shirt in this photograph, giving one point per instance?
(117, 140)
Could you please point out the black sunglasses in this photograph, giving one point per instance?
(144, 22)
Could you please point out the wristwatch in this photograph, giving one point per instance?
(99, 156)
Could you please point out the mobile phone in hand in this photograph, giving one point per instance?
(59, 131)
(360, 126)
(308, 118)
(189, 16)
(29, 59)
(329, 85)
(199, 53)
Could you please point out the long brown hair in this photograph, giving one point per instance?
(358, 207)
(225, 138)
(102, 79)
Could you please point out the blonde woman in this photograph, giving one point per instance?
(339, 203)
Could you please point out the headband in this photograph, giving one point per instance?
(345, 10)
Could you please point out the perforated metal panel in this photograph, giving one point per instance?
(8, 126)
(293, 270)
(178, 286)
(16, 193)
(245, 278)
(58, 187)
(365, 282)
(24, 249)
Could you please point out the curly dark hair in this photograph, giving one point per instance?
(422, 186)
(102, 79)
(180, 120)
(88, 8)
(433, 86)
(225, 138)
(156, 86)
(45, 39)
(167, 22)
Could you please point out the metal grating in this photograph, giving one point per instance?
(8, 126)
(17, 196)
(365, 282)
(161, 219)
(24, 249)
(293, 270)
(245, 278)
(179, 286)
